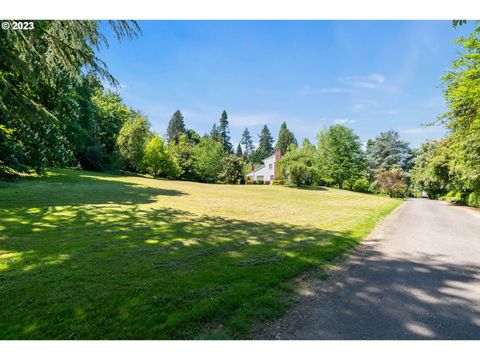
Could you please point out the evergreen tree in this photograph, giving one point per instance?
(225, 133)
(176, 127)
(239, 151)
(215, 134)
(265, 146)
(247, 142)
(285, 139)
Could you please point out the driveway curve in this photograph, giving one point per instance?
(417, 276)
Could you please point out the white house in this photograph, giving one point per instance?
(269, 170)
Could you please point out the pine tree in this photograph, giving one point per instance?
(225, 133)
(239, 151)
(215, 134)
(265, 146)
(285, 139)
(247, 143)
(266, 141)
(176, 127)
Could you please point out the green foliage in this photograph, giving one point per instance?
(232, 170)
(278, 182)
(388, 151)
(239, 151)
(453, 163)
(158, 161)
(43, 71)
(474, 199)
(265, 146)
(131, 142)
(298, 165)
(208, 159)
(361, 185)
(247, 143)
(431, 172)
(340, 157)
(176, 127)
(224, 133)
(285, 139)
(183, 153)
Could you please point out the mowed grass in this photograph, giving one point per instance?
(88, 255)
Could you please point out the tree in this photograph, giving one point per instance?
(176, 127)
(225, 133)
(239, 151)
(208, 159)
(285, 139)
(298, 164)
(232, 171)
(265, 146)
(247, 143)
(183, 152)
(388, 151)
(215, 134)
(158, 161)
(391, 182)
(131, 142)
(431, 172)
(39, 73)
(340, 156)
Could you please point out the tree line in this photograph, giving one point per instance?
(449, 168)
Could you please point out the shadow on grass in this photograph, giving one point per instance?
(60, 188)
(384, 297)
(106, 272)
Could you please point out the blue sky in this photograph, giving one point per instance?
(369, 75)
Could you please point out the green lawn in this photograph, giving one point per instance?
(86, 255)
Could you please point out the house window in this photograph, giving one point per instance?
(260, 177)
(270, 166)
(271, 177)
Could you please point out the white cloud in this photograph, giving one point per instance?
(371, 81)
(343, 121)
(422, 130)
(335, 90)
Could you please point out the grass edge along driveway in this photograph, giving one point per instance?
(87, 255)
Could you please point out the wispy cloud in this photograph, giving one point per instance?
(343, 121)
(334, 90)
(422, 130)
(371, 81)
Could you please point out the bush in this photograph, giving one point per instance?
(361, 185)
(266, 182)
(258, 182)
(474, 199)
(456, 197)
(278, 182)
(391, 183)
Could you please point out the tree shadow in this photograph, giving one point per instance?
(107, 272)
(383, 297)
(62, 189)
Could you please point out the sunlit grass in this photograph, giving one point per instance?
(89, 255)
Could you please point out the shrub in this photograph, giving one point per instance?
(474, 199)
(266, 182)
(391, 183)
(258, 182)
(278, 182)
(361, 185)
(456, 197)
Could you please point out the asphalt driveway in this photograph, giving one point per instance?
(416, 277)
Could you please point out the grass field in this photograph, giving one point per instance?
(94, 256)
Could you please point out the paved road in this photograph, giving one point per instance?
(416, 277)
